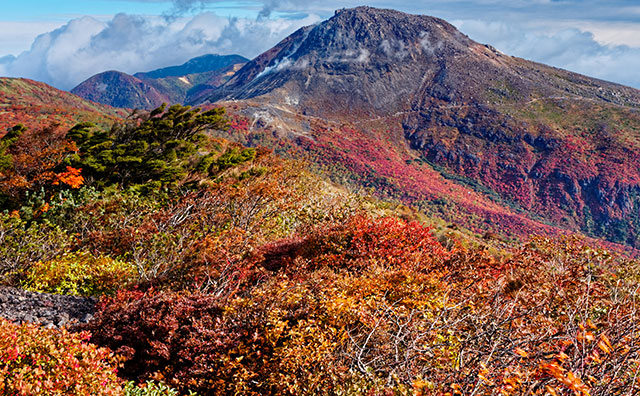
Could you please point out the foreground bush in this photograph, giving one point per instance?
(79, 274)
(177, 337)
(36, 361)
(360, 316)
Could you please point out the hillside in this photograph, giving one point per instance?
(460, 127)
(118, 89)
(222, 269)
(36, 104)
(176, 84)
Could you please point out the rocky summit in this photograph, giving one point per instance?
(384, 61)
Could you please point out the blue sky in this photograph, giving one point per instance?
(66, 41)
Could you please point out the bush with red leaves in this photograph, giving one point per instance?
(182, 339)
(361, 242)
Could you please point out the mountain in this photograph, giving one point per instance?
(176, 84)
(201, 64)
(384, 61)
(120, 90)
(412, 107)
(36, 104)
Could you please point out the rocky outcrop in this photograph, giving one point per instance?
(50, 310)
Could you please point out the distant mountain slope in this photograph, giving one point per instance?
(201, 64)
(554, 146)
(188, 88)
(177, 84)
(36, 104)
(208, 83)
(120, 90)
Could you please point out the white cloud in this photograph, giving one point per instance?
(16, 36)
(83, 47)
(570, 49)
(611, 33)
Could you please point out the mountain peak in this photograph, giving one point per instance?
(375, 61)
(119, 90)
(375, 27)
(378, 15)
(363, 58)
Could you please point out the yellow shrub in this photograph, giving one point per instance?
(79, 274)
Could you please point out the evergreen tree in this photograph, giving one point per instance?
(159, 147)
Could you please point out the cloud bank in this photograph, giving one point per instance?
(570, 49)
(85, 46)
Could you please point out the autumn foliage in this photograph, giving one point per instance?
(233, 271)
(351, 312)
(36, 361)
(32, 161)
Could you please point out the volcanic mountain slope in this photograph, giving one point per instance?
(554, 146)
(36, 105)
(201, 64)
(176, 84)
(119, 89)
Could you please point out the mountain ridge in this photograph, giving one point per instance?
(36, 105)
(200, 64)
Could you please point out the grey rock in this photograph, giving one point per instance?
(50, 310)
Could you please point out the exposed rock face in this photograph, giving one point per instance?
(51, 310)
(556, 144)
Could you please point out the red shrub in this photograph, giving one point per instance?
(180, 338)
(36, 361)
(360, 243)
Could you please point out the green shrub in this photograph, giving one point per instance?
(23, 243)
(235, 157)
(79, 274)
(159, 146)
(150, 388)
(46, 362)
